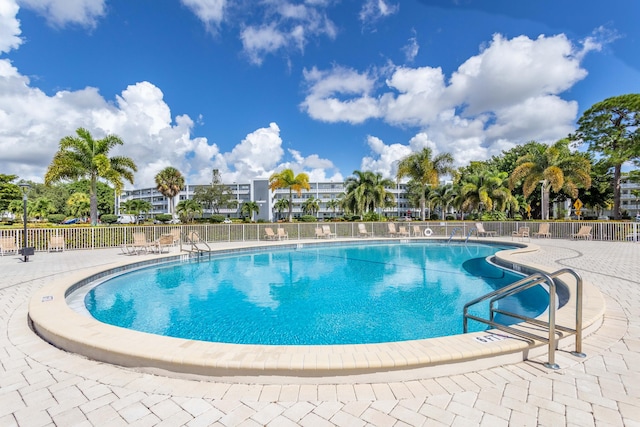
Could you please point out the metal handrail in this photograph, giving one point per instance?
(471, 230)
(453, 232)
(521, 285)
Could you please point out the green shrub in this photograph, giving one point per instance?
(109, 218)
(164, 217)
(450, 217)
(493, 216)
(56, 218)
(371, 216)
(308, 218)
(216, 219)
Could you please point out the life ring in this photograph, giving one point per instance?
(428, 232)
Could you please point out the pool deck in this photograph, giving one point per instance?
(41, 385)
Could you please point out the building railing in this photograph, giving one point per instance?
(114, 236)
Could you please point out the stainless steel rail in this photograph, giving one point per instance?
(553, 329)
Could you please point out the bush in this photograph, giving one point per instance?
(56, 218)
(371, 216)
(493, 216)
(109, 218)
(450, 217)
(216, 219)
(434, 217)
(164, 217)
(308, 218)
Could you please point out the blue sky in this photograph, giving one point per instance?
(250, 87)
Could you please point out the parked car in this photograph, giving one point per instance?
(127, 219)
(71, 221)
(227, 221)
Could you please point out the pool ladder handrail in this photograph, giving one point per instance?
(471, 230)
(530, 281)
(453, 233)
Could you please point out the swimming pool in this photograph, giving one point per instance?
(318, 295)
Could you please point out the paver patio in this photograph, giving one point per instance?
(41, 385)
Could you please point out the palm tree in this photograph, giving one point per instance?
(366, 191)
(287, 179)
(42, 207)
(333, 204)
(169, 182)
(486, 190)
(188, 209)
(280, 205)
(424, 169)
(556, 168)
(83, 157)
(311, 206)
(249, 208)
(443, 196)
(136, 206)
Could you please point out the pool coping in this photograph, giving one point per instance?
(57, 323)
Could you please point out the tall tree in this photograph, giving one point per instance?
(280, 205)
(188, 209)
(287, 179)
(249, 208)
(443, 196)
(169, 182)
(79, 205)
(8, 191)
(425, 169)
(216, 195)
(486, 190)
(311, 206)
(83, 157)
(611, 128)
(365, 191)
(556, 167)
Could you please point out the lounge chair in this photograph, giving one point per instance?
(543, 231)
(481, 232)
(319, 233)
(8, 244)
(175, 233)
(583, 233)
(282, 234)
(403, 232)
(166, 241)
(362, 231)
(327, 232)
(392, 230)
(269, 234)
(416, 231)
(140, 243)
(56, 243)
(522, 233)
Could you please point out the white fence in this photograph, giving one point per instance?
(115, 236)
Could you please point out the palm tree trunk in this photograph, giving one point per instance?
(290, 204)
(93, 201)
(422, 207)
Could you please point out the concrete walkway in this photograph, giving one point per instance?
(43, 386)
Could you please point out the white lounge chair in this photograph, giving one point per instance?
(56, 243)
(269, 234)
(8, 244)
(543, 231)
(362, 231)
(327, 232)
(391, 227)
(583, 233)
(282, 234)
(481, 232)
(522, 233)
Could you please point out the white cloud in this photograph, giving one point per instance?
(384, 157)
(59, 13)
(374, 10)
(411, 49)
(323, 102)
(210, 12)
(9, 26)
(285, 27)
(507, 94)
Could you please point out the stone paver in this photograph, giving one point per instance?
(41, 385)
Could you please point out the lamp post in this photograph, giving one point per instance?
(543, 208)
(25, 189)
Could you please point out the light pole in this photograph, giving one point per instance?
(25, 189)
(543, 207)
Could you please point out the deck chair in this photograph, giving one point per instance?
(319, 233)
(481, 232)
(522, 233)
(282, 234)
(583, 233)
(8, 244)
(403, 232)
(269, 234)
(543, 231)
(416, 231)
(392, 230)
(327, 232)
(140, 243)
(175, 233)
(362, 231)
(56, 243)
(166, 241)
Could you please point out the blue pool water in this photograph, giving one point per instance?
(335, 294)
